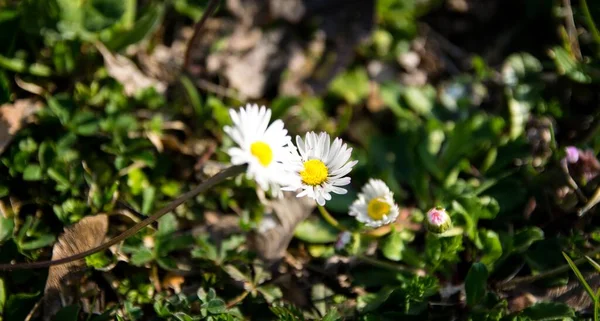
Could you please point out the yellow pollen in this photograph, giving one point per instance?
(377, 208)
(262, 152)
(315, 172)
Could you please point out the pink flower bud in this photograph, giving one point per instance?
(438, 221)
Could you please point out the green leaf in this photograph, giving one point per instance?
(167, 225)
(192, 94)
(492, 248)
(145, 26)
(332, 315)
(548, 311)
(101, 14)
(476, 283)
(3, 190)
(393, 246)
(372, 301)
(149, 197)
(352, 85)
(84, 123)
(523, 239)
(567, 65)
(19, 305)
(68, 313)
(42, 241)
(579, 276)
(2, 296)
(7, 226)
(33, 172)
(236, 274)
(21, 66)
(167, 263)
(315, 231)
(592, 262)
(215, 306)
(270, 292)
(142, 256)
(421, 100)
(46, 154)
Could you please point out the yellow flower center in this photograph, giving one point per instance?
(377, 208)
(262, 152)
(315, 172)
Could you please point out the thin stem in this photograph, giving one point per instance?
(212, 6)
(550, 273)
(220, 177)
(378, 232)
(590, 21)
(332, 221)
(237, 299)
(388, 265)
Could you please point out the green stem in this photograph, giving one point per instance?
(388, 265)
(220, 177)
(330, 219)
(590, 21)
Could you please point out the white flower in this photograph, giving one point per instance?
(320, 168)
(375, 205)
(262, 146)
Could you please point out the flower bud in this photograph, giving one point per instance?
(343, 240)
(572, 154)
(438, 220)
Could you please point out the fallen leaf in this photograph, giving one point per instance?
(88, 233)
(274, 234)
(173, 281)
(12, 118)
(573, 294)
(127, 73)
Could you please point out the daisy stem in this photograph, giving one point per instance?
(388, 265)
(332, 221)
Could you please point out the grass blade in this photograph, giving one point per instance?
(582, 280)
(593, 263)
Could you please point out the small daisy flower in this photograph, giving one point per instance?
(320, 168)
(262, 146)
(375, 204)
(438, 220)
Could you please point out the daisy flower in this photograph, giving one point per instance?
(375, 204)
(320, 168)
(262, 146)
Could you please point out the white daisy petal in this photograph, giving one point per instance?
(319, 166)
(375, 205)
(264, 147)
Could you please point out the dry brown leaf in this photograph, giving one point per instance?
(274, 235)
(127, 73)
(88, 233)
(173, 281)
(12, 118)
(573, 294)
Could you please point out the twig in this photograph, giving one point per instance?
(556, 271)
(212, 6)
(218, 89)
(220, 177)
(237, 299)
